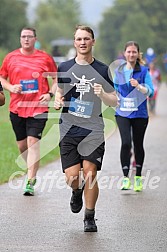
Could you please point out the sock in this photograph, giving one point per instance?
(89, 212)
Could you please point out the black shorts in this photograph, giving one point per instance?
(29, 126)
(74, 150)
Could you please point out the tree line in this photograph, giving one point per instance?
(144, 21)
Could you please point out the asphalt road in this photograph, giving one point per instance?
(126, 220)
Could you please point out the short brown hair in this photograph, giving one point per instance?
(84, 28)
(30, 29)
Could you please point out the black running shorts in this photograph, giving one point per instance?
(29, 126)
(74, 150)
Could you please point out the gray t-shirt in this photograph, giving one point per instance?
(81, 114)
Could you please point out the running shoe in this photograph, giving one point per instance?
(126, 184)
(29, 190)
(138, 185)
(76, 201)
(89, 224)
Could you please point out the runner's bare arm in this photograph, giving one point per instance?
(46, 97)
(109, 99)
(16, 88)
(142, 89)
(53, 86)
(59, 99)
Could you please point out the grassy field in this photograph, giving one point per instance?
(9, 157)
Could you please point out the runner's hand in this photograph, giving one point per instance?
(17, 88)
(59, 102)
(134, 82)
(44, 98)
(98, 90)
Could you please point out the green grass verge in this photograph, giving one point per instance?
(9, 161)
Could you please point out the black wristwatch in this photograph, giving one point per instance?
(51, 94)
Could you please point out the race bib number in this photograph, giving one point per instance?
(128, 104)
(80, 108)
(29, 86)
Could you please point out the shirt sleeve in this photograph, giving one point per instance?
(109, 85)
(149, 85)
(3, 69)
(52, 67)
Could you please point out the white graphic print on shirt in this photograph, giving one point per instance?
(79, 107)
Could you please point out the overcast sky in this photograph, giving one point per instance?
(91, 9)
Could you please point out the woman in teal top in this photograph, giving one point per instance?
(133, 84)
